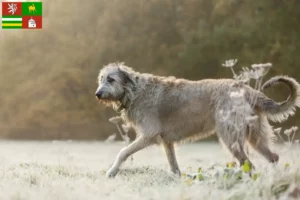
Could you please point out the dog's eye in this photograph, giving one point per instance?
(110, 80)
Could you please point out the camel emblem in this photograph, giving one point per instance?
(32, 8)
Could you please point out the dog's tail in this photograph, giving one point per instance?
(280, 111)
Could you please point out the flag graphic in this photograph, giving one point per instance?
(22, 15)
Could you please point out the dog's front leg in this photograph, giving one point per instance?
(135, 146)
(170, 152)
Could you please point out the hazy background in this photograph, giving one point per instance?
(48, 76)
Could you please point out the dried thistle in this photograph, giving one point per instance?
(116, 120)
(111, 138)
(295, 128)
(237, 94)
(288, 132)
(229, 63)
(277, 130)
(261, 65)
(251, 120)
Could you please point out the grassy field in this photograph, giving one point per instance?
(76, 170)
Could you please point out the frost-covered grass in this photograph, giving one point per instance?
(76, 170)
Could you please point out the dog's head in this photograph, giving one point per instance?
(114, 82)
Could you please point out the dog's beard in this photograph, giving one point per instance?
(116, 105)
(106, 102)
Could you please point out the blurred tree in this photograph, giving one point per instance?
(49, 76)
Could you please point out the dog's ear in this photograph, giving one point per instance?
(127, 78)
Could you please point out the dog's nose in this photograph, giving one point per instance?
(99, 94)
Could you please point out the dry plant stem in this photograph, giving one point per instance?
(232, 70)
(294, 132)
(280, 137)
(120, 131)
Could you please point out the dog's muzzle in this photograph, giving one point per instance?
(99, 94)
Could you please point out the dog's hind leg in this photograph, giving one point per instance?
(258, 139)
(234, 141)
(170, 152)
(135, 146)
(237, 149)
(262, 147)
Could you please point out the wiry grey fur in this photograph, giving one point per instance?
(166, 110)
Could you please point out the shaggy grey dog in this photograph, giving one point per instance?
(166, 110)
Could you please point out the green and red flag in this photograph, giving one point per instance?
(22, 15)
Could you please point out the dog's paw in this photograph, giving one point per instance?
(274, 158)
(111, 173)
(176, 172)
